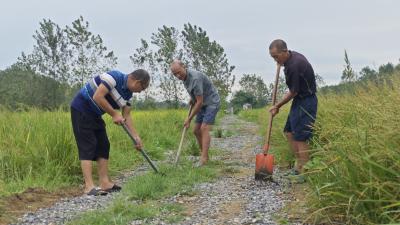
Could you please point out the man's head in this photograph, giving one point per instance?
(138, 80)
(178, 69)
(279, 51)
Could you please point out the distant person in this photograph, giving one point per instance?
(103, 94)
(300, 79)
(206, 103)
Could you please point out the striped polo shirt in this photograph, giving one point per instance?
(119, 95)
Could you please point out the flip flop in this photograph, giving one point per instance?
(115, 188)
(96, 192)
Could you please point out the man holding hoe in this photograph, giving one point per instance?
(103, 94)
(205, 102)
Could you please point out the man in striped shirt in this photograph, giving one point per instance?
(105, 93)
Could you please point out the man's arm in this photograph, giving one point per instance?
(286, 98)
(100, 99)
(126, 113)
(196, 108)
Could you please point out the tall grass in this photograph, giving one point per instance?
(37, 148)
(355, 168)
(355, 172)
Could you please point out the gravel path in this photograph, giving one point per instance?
(235, 198)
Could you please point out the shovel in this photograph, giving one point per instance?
(142, 150)
(178, 153)
(265, 161)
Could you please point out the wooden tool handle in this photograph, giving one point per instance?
(182, 137)
(268, 136)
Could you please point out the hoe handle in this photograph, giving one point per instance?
(141, 150)
(268, 136)
(182, 137)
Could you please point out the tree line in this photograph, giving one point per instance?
(63, 59)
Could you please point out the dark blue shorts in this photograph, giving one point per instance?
(302, 117)
(207, 114)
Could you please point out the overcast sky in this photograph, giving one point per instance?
(321, 30)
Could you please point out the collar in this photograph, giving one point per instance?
(288, 60)
(188, 77)
(125, 86)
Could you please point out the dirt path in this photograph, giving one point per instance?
(235, 198)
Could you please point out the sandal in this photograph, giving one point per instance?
(115, 188)
(96, 192)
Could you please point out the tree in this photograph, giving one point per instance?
(319, 80)
(166, 41)
(89, 55)
(21, 88)
(49, 57)
(240, 98)
(209, 57)
(194, 48)
(143, 58)
(386, 69)
(254, 85)
(348, 73)
(282, 89)
(367, 73)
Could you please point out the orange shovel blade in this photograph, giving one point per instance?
(264, 166)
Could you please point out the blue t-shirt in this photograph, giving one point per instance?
(119, 95)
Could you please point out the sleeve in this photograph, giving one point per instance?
(129, 102)
(198, 87)
(108, 81)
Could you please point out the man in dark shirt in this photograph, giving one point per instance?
(300, 79)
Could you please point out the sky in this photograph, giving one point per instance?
(321, 30)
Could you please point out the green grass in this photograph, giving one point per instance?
(354, 173)
(138, 199)
(37, 148)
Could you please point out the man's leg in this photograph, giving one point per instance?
(205, 140)
(87, 175)
(102, 169)
(197, 133)
(303, 155)
(293, 144)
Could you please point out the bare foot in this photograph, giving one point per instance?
(106, 186)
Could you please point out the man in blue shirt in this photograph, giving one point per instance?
(103, 93)
(206, 104)
(300, 79)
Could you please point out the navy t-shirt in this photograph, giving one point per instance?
(299, 74)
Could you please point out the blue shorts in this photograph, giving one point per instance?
(302, 117)
(207, 114)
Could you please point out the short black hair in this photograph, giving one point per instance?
(142, 76)
(279, 44)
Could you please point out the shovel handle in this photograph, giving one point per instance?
(268, 136)
(182, 137)
(141, 150)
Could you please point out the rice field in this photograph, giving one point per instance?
(354, 173)
(38, 148)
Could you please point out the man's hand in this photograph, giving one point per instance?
(139, 144)
(274, 110)
(187, 123)
(191, 102)
(118, 119)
